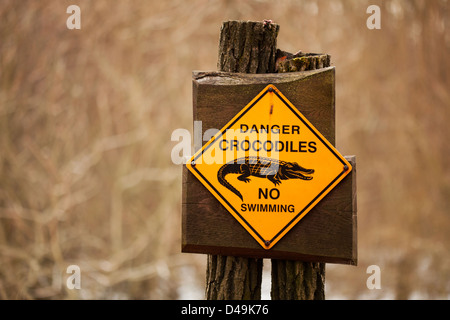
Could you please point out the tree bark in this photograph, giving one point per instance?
(233, 278)
(245, 47)
(296, 280)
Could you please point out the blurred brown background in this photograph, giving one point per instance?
(86, 118)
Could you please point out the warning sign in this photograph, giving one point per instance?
(269, 166)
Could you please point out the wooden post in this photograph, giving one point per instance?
(244, 47)
(328, 234)
(297, 280)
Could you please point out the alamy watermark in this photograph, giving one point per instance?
(234, 144)
(74, 20)
(74, 280)
(374, 280)
(374, 20)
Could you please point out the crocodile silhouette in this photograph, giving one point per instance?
(272, 169)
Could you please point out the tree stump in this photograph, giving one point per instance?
(245, 47)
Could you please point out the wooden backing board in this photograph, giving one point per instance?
(328, 232)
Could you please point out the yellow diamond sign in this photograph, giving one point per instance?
(269, 166)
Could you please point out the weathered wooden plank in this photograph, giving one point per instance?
(326, 234)
(219, 96)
